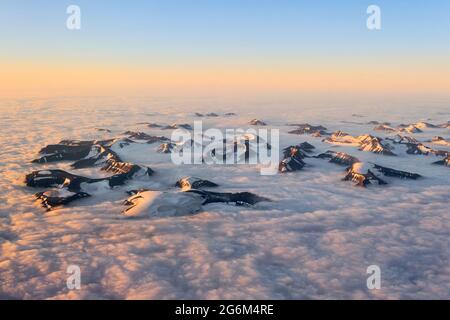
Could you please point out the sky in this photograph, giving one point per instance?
(216, 46)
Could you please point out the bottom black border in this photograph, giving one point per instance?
(168, 309)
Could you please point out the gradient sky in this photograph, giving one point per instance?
(141, 47)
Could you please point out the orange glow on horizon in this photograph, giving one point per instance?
(32, 79)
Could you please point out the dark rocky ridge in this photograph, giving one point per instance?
(399, 139)
(166, 148)
(54, 198)
(178, 126)
(379, 123)
(146, 137)
(396, 173)
(340, 158)
(256, 122)
(68, 150)
(171, 203)
(366, 142)
(240, 198)
(375, 145)
(385, 128)
(443, 162)
(68, 186)
(361, 176)
(293, 159)
(189, 183)
(63, 179)
(306, 128)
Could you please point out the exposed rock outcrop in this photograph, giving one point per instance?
(396, 173)
(103, 130)
(70, 150)
(340, 158)
(440, 141)
(63, 179)
(361, 174)
(307, 147)
(445, 125)
(399, 139)
(146, 137)
(166, 148)
(411, 129)
(384, 128)
(154, 125)
(162, 204)
(421, 149)
(240, 198)
(443, 162)
(375, 145)
(243, 147)
(175, 204)
(365, 142)
(306, 128)
(98, 156)
(425, 125)
(57, 179)
(379, 123)
(175, 126)
(189, 183)
(256, 122)
(56, 198)
(293, 160)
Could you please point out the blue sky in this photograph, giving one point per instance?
(246, 30)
